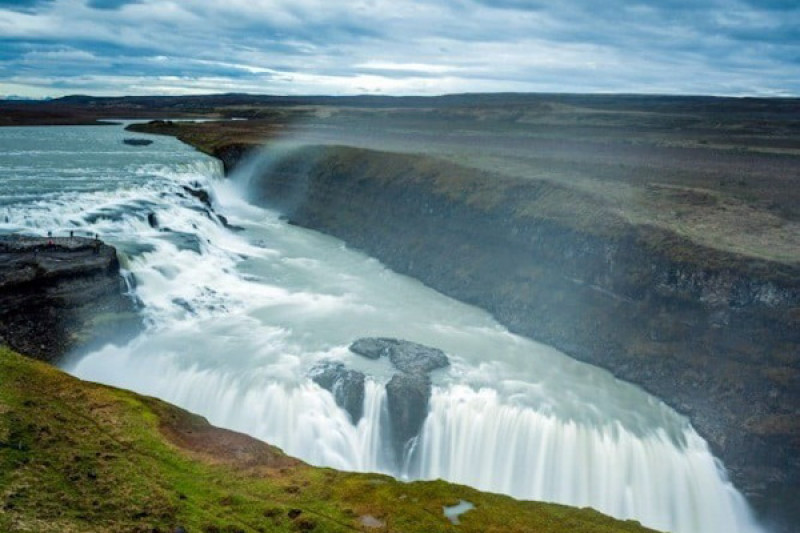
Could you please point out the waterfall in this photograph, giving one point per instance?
(472, 437)
(668, 481)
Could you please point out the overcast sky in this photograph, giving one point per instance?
(114, 47)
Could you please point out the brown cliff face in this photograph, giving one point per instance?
(714, 334)
(60, 294)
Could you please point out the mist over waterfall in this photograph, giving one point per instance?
(237, 319)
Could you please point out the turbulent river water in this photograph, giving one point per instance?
(235, 320)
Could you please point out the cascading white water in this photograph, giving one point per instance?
(473, 437)
(237, 319)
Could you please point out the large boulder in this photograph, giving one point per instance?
(61, 294)
(406, 356)
(407, 397)
(347, 386)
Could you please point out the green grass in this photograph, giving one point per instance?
(81, 457)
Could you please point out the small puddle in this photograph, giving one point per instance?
(452, 513)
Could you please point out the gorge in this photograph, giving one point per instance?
(240, 307)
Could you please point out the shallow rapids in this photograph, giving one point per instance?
(235, 320)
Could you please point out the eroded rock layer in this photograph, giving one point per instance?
(62, 293)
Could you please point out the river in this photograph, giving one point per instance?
(236, 319)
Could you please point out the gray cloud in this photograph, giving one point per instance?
(111, 4)
(23, 5)
(53, 47)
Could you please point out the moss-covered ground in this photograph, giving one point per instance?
(81, 457)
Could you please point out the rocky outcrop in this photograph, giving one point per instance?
(199, 193)
(347, 386)
(407, 397)
(714, 334)
(409, 391)
(406, 356)
(204, 197)
(61, 294)
(232, 154)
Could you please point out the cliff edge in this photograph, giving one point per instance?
(62, 293)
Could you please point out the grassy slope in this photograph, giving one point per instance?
(81, 457)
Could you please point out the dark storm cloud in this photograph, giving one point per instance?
(392, 46)
(22, 5)
(111, 4)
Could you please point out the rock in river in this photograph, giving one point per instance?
(406, 356)
(347, 386)
(407, 398)
(137, 142)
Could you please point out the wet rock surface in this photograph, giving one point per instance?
(60, 294)
(347, 386)
(407, 397)
(199, 193)
(196, 191)
(406, 356)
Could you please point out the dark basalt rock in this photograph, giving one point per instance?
(152, 220)
(370, 348)
(224, 221)
(405, 355)
(407, 398)
(347, 386)
(137, 142)
(205, 199)
(200, 194)
(60, 294)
